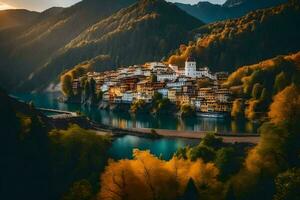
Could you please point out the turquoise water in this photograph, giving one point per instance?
(122, 147)
(125, 120)
(165, 147)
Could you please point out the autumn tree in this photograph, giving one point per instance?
(281, 81)
(286, 105)
(277, 150)
(238, 109)
(256, 91)
(149, 178)
(67, 86)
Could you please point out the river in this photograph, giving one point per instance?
(122, 147)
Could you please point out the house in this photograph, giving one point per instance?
(76, 85)
(223, 95)
(156, 66)
(183, 98)
(168, 76)
(190, 68)
(223, 107)
(172, 94)
(106, 96)
(196, 102)
(127, 97)
(208, 106)
(144, 96)
(192, 72)
(206, 93)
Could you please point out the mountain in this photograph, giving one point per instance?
(52, 31)
(209, 12)
(146, 31)
(262, 34)
(15, 18)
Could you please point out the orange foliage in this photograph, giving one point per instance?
(147, 177)
(286, 105)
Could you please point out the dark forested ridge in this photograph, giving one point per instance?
(145, 31)
(40, 163)
(262, 34)
(209, 12)
(53, 29)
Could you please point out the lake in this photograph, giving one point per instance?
(122, 147)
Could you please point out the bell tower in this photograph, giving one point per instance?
(190, 67)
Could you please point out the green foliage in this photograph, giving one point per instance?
(256, 91)
(138, 106)
(186, 110)
(67, 86)
(212, 141)
(287, 185)
(99, 96)
(163, 106)
(77, 154)
(87, 90)
(201, 151)
(24, 152)
(281, 81)
(80, 190)
(153, 78)
(238, 109)
(228, 161)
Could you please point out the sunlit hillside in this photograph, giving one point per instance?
(262, 34)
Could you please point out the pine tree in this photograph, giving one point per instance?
(191, 192)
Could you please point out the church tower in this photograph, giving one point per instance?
(190, 67)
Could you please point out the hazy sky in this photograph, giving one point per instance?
(40, 5)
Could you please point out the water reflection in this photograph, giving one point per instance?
(125, 120)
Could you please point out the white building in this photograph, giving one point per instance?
(104, 87)
(166, 77)
(127, 97)
(190, 68)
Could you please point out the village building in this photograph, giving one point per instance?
(128, 97)
(167, 76)
(125, 85)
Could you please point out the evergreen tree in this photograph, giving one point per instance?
(256, 90)
(191, 192)
(281, 81)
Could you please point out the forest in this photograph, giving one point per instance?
(229, 44)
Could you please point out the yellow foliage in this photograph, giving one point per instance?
(147, 177)
(286, 105)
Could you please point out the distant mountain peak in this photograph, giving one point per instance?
(233, 3)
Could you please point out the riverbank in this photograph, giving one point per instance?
(146, 132)
(64, 120)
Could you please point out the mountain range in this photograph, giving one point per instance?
(51, 30)
(36, 48)
(144, 31)
(259, 35)
(208, 12)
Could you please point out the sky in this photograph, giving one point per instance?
(40, 5)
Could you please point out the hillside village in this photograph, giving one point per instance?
(194, 86)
